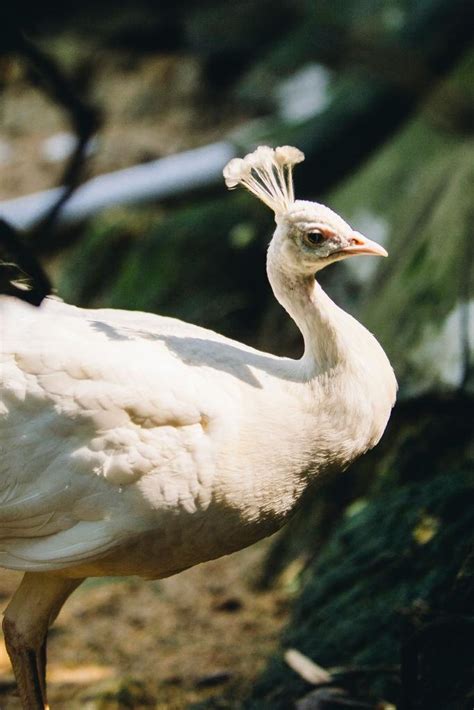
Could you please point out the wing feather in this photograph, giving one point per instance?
(100, 432)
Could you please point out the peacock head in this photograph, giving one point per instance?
(309, 236)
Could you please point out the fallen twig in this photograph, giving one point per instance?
(306, 668)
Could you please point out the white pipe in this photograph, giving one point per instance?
(151, 181)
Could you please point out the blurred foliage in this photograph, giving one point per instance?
(410, 193)
(169, 264)
(418, 191)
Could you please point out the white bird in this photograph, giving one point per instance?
(134, 444)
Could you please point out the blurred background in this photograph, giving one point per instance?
(372, 580)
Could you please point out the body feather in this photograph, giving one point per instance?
(116, 426)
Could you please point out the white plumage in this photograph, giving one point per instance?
(137, 444)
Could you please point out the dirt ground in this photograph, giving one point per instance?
(126, 643)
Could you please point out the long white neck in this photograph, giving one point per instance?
(311, 416)
(347, 372)
(320, 321)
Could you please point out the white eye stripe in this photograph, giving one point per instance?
(316, 227)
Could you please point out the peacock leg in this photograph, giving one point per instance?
(41, 666)
(25, 666)
(33, 608)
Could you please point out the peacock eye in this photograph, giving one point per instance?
(314, 239)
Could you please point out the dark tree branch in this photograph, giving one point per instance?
(84, 119)
(21, 274)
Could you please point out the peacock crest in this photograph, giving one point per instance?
(267, 173)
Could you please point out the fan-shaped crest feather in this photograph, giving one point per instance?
(267, 173)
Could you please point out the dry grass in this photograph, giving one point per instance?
(173, 637)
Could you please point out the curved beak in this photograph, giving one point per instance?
(361, 245)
